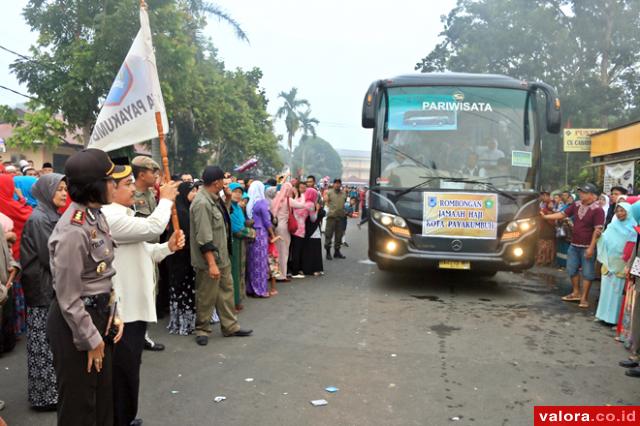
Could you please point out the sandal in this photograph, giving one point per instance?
(571, 298)
(273, 292)
(583, 305)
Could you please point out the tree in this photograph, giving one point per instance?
(315, 156)
(215, 115)
(34, 128)
(290, 110)
(82, 44)
(588, 49)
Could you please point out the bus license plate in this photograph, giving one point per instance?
(454, 264)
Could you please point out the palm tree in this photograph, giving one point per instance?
(289, 110)
(200, 7)
(308, 124)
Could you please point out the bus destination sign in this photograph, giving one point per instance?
(460, 215)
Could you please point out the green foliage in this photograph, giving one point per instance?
(588, 49)
(216, 115)
(315, 156)
(35, 128)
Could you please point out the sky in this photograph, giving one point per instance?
(331, 50)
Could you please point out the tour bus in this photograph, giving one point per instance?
(455, 167)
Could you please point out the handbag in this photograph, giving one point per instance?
(292, 223)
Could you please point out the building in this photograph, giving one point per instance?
(355, 166)
(57, 157)
(616, 153)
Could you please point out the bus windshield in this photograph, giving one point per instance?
(449, 137)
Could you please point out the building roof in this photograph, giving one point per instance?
(354, 153)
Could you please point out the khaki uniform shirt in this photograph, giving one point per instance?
(145, 203)
(208, 230)
(81, 255)
(335, 202)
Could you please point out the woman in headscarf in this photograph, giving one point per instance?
(182, 277)
(280, 208)
(312, 247)
(18, 212)
(241, 233)
(15, 210)
(24, 186)
(297, 239)
(51, 193)
(258, 252)
(614, 250)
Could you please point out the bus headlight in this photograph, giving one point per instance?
(396, 224)
(516, 228)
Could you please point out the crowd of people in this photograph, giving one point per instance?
(597, 237)
(89, 258)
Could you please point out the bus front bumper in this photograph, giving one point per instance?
(406, 255)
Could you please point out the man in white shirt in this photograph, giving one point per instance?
(472, 168)
(490, 154)
(134, 285)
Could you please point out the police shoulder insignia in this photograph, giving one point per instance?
(78, 217)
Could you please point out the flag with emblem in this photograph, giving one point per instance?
(128, 115)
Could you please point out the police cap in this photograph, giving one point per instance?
(90, 165)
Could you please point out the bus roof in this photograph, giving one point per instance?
(456, 79)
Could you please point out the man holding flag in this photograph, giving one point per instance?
(134, 112)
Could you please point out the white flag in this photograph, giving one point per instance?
(128, 114)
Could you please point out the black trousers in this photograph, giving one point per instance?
(83, 398)
(296, 252)
(127, 357)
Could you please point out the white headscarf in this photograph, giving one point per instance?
(606, 204)
(256, 193)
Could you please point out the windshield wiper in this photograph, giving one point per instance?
(427, 180)
(416, 162)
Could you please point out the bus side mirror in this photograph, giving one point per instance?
(553, 114)
(369, 107)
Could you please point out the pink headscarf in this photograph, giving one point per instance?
(311, 195)
(285, 192)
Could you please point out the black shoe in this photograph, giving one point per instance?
(152, 346)
(628, 363)
(46, 408)
(240, 333)
(338, 255)
(329, 257)
(136, 422)
(633, 372)
(202, 340)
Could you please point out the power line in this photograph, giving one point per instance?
(26, 58)
(17, 93)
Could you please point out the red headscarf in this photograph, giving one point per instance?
(18, 212)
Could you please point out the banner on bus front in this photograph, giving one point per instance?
(460, 215)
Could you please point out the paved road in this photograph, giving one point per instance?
(417, 348)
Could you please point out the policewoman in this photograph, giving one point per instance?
(81, 326)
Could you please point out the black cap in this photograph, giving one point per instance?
(212, 174)
(47, 165)
(589, 188)
(90, 165)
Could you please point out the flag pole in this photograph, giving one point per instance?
(164, 155)
(165, 167)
